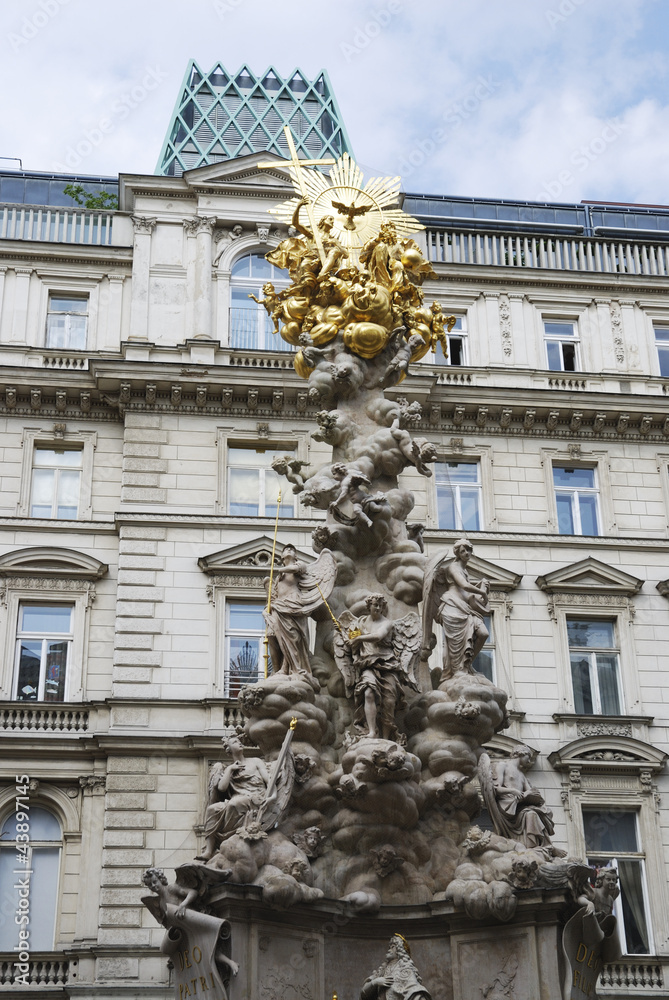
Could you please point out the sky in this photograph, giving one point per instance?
(548, 100)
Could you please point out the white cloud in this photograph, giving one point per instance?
(513, 89)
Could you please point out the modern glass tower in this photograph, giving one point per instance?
(220, 115)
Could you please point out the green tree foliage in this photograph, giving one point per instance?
(103, 200)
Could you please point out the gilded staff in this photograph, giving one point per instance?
(271, 577)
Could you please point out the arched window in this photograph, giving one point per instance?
(250, 326)
(36, 868)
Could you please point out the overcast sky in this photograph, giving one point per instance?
(554, 100)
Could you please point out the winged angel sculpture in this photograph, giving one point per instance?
(377, 658)
(246, 797)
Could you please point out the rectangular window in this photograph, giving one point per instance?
(593, 653)
(253, 485)
(244, 647)
(459, 495)
(561, 346)
(577, 500)
(485, 661)
(612, 841)
(56, 483)
(66, 323)
(662, 344)
(43, 651)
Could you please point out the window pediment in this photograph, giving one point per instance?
(608, 753)
(252, 559)
(243, 169)
(500, 579)
(51, 562)
(590, 576)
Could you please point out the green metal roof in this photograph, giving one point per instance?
(220, 115)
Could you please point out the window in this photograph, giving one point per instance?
(593, 653)
(577, 500)
(43, 651)
(459, 495)
(43, 860)
(561, 346)
(485, 661)
(66, 323)
(250, 326)
(253, 486)
(612, 840)
(56, 483)
(662, 343)
(244, 647)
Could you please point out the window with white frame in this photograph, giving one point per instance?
(594, 658)
(251, 328)
(56, 482)
(485, 660)
(253, 485)
(612, 841)
(459, 495)
(577, 500)
(67, 322)
(244, 646)
(43, 651)
(662, 344)
(561, 346)
(34, 835)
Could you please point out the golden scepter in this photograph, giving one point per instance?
(351, 633)
(271, 577)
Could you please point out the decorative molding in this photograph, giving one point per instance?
(505, 325)
(50, 585)
(93, 784)
(48, 563)
(142, 224)
(604, 728)
(590, 577)
(617, 327)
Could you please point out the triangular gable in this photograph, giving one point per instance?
(253, 558)
(51, 562)
(589, 576)
(240, 169)
(498, 577)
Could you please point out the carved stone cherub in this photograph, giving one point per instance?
(156, 880)
(607, 891)
(291, 468)
(310, 841)
(386, 860)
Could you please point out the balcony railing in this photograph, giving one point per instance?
(551, 252)
(49, 971)
(251, 330)
(26, 717)
(18, 222)
(641, 976)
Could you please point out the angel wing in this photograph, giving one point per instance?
(406, 644)
(342, 650)
(487, 782)
(214, 774)
(198, 876)
(432, 591)
(318, 581)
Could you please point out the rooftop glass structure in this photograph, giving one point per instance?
(221, 115)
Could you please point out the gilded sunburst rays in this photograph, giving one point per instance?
(358, 210)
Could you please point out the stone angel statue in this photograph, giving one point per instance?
(246, 797)
(377, 658)
(458, 604)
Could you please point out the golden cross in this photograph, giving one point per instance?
(295, 165)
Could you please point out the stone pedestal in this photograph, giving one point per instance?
(309, 952)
